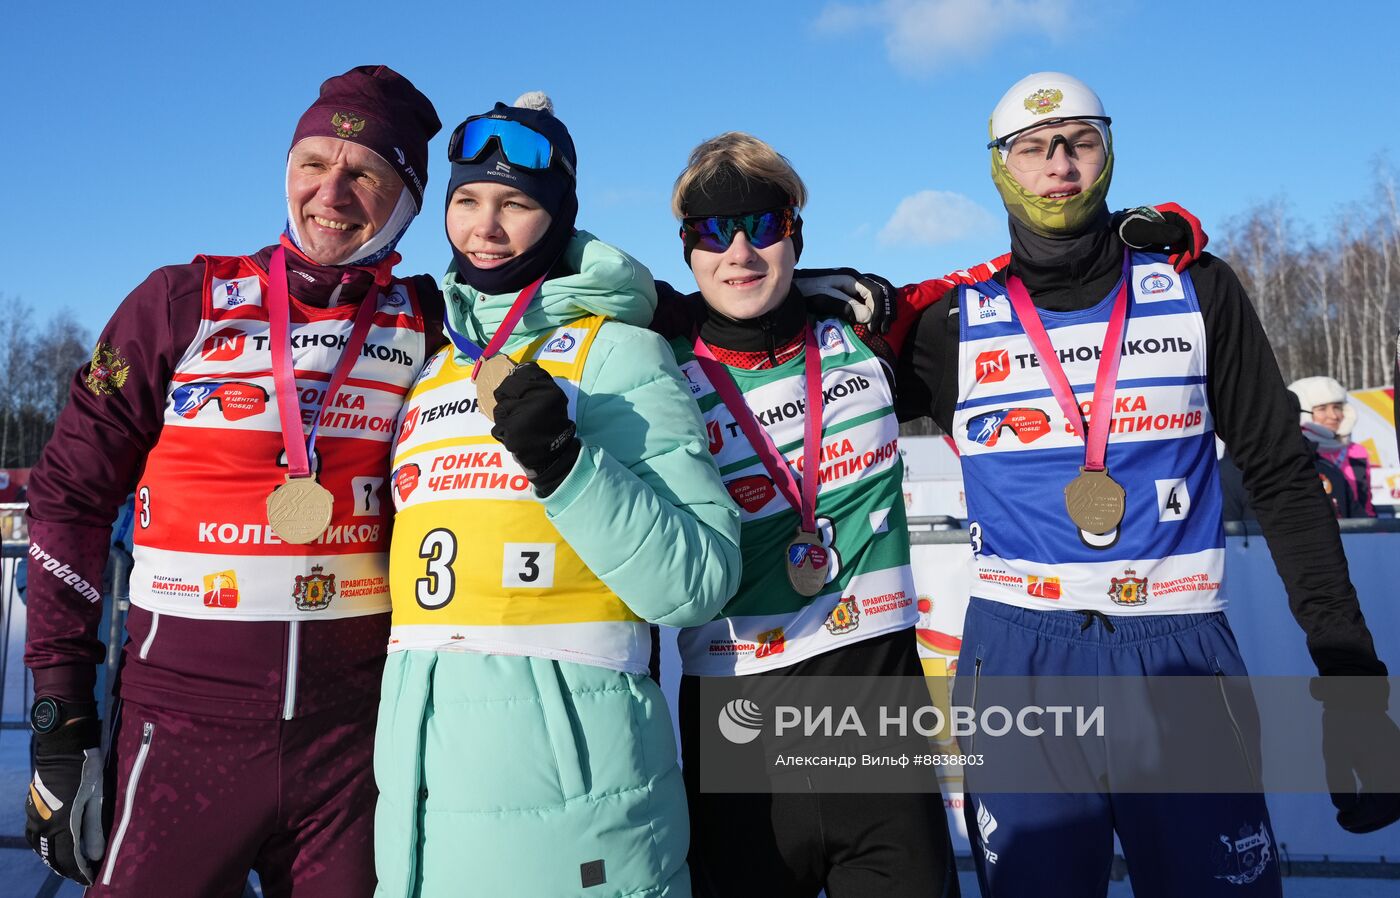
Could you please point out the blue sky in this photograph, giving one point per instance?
(140, 134)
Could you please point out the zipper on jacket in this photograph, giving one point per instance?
(148, 730)
(150, 637)
(289, 701)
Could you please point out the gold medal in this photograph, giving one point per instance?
(299, 510)
(488, 378)
(808, 563)
(1095, 502)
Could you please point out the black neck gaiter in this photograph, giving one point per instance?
(762, 334)
(1069, 272)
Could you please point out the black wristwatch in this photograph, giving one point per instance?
(48, 713)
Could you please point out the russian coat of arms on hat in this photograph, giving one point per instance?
(1045, 100)
(347, 125)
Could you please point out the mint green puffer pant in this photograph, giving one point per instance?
(514, 777)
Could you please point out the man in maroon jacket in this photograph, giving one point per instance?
(249, 402)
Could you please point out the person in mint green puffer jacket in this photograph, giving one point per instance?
(522, 750)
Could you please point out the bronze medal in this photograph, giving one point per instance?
(299, 510)
(488, 378)
(808, 563)
(1095, 502)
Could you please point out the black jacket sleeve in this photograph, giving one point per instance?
(1257, 418)
(928, 360)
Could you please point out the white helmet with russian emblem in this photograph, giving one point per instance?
(1046, 98)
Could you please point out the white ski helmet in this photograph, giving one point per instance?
(1044, 98)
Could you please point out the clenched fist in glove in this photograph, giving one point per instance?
(532, 422)
(1361, 750)
(1167, 226)
(63, 810)
(866, 299)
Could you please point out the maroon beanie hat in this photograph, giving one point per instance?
(375, 106)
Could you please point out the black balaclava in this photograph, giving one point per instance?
(730, 192)
(554, 188)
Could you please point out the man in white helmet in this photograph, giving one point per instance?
(1123, 371)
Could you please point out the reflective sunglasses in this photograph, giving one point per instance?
(1029, 425)
(520, 145)
(714, 233)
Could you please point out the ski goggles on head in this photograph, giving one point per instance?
(520, 145)
(715, 233)
(1029, 425)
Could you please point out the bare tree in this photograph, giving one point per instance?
(1329, 306)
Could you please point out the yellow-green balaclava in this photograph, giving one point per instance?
(1040, 99)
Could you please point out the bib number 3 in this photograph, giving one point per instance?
(528, 566)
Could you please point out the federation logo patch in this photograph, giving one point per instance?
(833, 339)
(221, 590)
(1128, 590)
(395, 300)
(689, 370)
(314, 591)
(232, 294)
(1155, 284)
(844, 618)
(562, 343)
(108, 370)
(989, 309)
(347, 125)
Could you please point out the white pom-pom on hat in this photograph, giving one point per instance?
(535, 99)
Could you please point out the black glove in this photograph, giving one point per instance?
(532, 422)
(866, 299)
(1361, 751)
(63, 811)
(1168, 227)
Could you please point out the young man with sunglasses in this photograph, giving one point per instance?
(800, 413)
(553, 497)
(248, 400)
(1115, 373)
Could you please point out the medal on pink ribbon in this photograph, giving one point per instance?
(807, 560)
(299, 510)
(1094, 501)
(491, 366)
